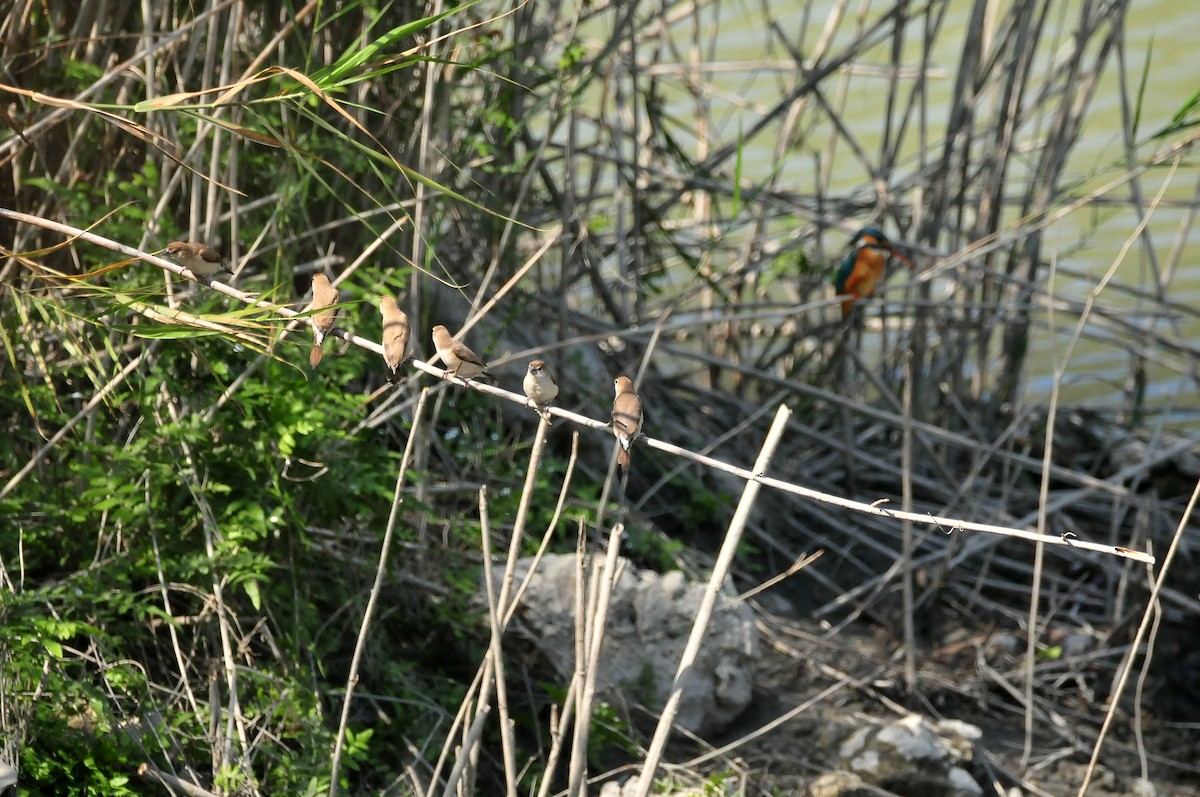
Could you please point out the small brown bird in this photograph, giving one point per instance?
(626, 418)
(395, 337)
(324, 295)
(459, 360)
(539, 385)
(201, 259)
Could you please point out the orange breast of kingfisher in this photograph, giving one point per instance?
(867, 271)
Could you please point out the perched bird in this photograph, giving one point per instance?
(626, 418)
(395, 337)
(539, 385)
(201, 259)
(863, 268)
(459, 360)
(324, 295)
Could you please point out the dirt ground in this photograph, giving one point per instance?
(856, 674)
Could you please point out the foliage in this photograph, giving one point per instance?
(185, 570)
(191, 520)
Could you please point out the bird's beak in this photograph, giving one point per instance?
(899, 255)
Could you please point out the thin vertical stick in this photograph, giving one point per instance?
(550, 527)
(514, 546)
(580, 674)
(558, 734)
(596, 620)
(496, 648)
(906, 540)
(720, 571)
(234, 720)
(470, 740)
(478, 688)
(380, 571)
(1139, 688)
(1047, 456)
(1127, 665)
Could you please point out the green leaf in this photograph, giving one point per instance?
(355, 57)
(169, 333)
(1141, 92)
(737, 175)
(252, 592)
(1181, 119)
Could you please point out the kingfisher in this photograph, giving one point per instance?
(863, 268)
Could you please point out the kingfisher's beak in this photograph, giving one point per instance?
(899, 255)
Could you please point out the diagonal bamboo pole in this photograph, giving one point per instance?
(720, 572)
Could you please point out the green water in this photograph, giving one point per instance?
(747, 75)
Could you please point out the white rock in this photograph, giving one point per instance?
(649, 619)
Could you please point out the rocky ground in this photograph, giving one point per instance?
(854, 680)
(824, 711)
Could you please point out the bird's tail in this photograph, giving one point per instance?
(314, 357)
(623, 458)
(393, 375)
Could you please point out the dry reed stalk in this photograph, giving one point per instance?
(477, 692)
(590, 640)
(1143, 627)
(380, 573)
(496, 650)
(1043, 498)
(716, 584)
(236, 723)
